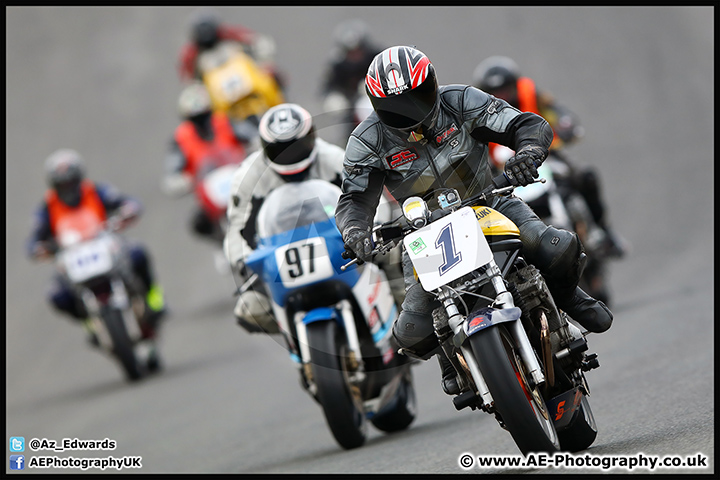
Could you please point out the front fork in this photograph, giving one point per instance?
(503, 299)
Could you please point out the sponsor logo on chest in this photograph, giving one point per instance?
(450, 132)
(402, 157)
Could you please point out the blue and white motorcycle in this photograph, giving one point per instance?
(336, 323)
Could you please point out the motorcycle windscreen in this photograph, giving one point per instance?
(448, 248)
(299, 243)
(296, 204)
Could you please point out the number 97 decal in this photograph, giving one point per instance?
(303, 262)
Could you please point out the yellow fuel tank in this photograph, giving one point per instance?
(495, 223)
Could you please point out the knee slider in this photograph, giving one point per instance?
(414, 333)
(560, 256)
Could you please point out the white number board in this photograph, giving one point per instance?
(303, 262)
(448, 248)
(88, 260)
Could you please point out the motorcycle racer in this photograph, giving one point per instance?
(203, 136)
(350, 59)
(501, 77)
(207, 31)
(291, 151)
(423, 136)
(70, 194)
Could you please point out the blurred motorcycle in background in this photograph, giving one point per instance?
(236, 84)
(557, 203)
(94, 260)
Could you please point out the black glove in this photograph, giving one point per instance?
(358, 241)
(522, 168)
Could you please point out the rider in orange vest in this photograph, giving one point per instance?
(72, 196)
(204, 140)
(501, 77)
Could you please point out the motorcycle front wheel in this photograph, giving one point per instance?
(340, 402)
(521, 408)
(122, 345)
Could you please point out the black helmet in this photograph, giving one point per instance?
(403, 88)
(495, 72)
(351, 34)
(65, 172)
(287, 134)
(206, 30)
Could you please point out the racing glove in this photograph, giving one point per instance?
(358, 242)
(521, 169)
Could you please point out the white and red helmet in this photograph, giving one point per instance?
(403, 88)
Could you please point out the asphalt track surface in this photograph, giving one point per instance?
(103, 81)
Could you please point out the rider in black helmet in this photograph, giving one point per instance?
(422, 136)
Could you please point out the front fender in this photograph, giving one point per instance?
(322, 314)
(484, 318)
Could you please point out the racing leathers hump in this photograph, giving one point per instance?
(453, 154)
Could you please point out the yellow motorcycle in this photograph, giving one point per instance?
(237, 85)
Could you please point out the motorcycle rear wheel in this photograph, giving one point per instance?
(343, 410)
(123, 348)
(521, 408)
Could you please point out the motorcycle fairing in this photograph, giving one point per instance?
(275, 271)
(239, 87)
(373, 295)
(214, 190)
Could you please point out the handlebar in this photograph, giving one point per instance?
(499, 185)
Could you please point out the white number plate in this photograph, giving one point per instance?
(88, 260)
(303, 262)
(448, 248)
(217, 184)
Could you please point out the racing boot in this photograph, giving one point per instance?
(155, 303)
(92, 337)
(449, 375)
(590, 313)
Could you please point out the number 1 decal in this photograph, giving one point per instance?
(446, 242)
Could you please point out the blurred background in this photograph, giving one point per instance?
(103, 81)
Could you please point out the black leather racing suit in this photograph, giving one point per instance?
(453, 154)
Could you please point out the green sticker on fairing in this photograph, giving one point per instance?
(417, 246)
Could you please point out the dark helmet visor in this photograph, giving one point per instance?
(291, 152)
(408, 109)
